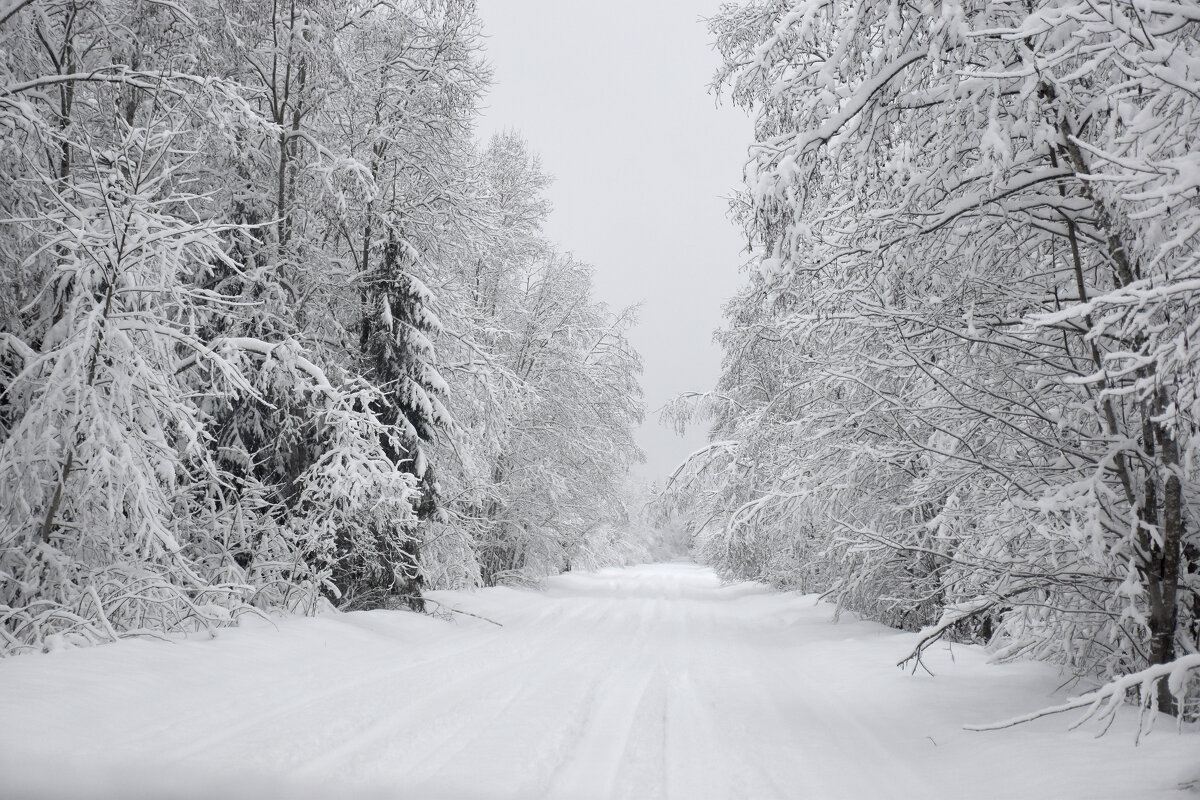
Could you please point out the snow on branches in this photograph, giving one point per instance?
(963, 373)
(267, 326)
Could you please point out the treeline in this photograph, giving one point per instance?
(274, 329)
(960, 388)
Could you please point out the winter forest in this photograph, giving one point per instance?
(277, 330)
(308, 420)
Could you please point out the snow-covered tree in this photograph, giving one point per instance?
(264, 301)
(959, 389)
(544, 385)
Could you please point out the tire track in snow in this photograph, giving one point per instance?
(324, 713)
(590, 768)
(539, 727)
(433, 684)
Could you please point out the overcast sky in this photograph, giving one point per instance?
(613, 95)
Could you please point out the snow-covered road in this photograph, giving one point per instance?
(648, 682)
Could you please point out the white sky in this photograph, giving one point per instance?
(613, 95)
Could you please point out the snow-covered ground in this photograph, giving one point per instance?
(648, 682)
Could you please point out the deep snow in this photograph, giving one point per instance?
(648, 682)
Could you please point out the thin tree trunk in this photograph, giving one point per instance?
(1159, 565)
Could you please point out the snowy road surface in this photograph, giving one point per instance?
(648, 682)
